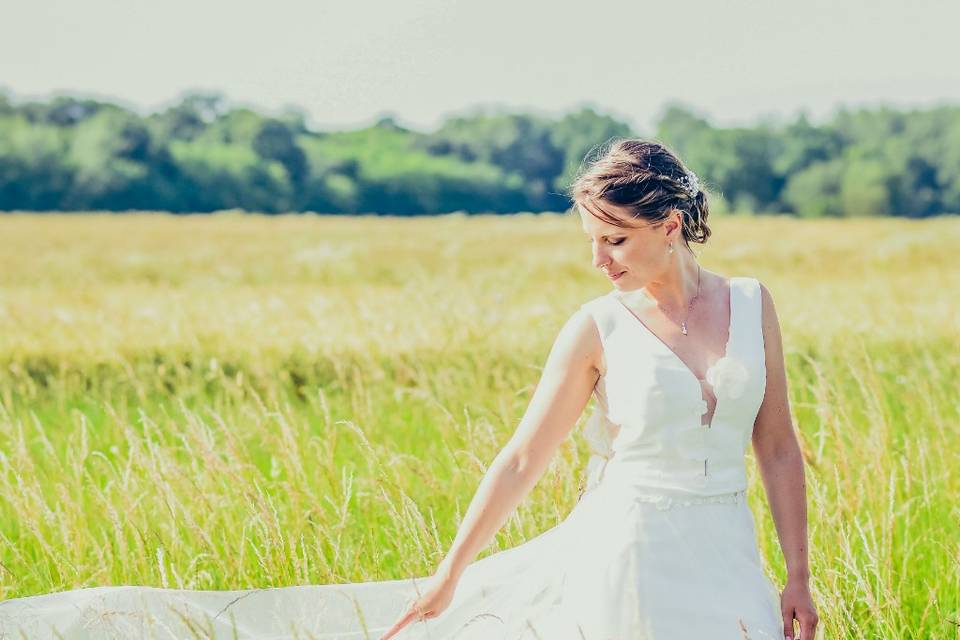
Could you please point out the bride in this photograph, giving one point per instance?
(637, 202)
(687, 370)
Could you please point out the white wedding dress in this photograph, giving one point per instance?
(660, 545)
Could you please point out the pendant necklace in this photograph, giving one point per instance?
(683, 323)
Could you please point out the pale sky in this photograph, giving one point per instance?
(348, 63)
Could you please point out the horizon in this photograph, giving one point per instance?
(468, 110)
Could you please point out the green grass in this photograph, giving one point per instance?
(227, 401)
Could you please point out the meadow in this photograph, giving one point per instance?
(233, 401)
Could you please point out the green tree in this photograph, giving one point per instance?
(519, 144)
(275, 141)
(815, 191)
(33, 172)
(864, 188)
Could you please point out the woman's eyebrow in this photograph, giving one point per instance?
(609, 234)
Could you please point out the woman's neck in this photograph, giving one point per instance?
(674, 290)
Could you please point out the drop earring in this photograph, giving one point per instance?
(670, 247)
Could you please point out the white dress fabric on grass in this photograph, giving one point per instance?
(661, 545)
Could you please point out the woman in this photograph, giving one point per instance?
(686, 367)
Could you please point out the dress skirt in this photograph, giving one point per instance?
(622, 565)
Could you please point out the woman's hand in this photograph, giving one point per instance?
(796, 602)
(434, 599)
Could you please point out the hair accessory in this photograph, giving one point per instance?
(689, 182)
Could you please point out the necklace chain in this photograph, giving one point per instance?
(683, 323)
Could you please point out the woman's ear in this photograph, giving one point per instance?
(673, 225)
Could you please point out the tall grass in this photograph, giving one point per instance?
(229, 401)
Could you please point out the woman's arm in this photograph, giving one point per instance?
(564, 389)
(568, 378)
(781, 467)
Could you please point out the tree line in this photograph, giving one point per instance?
(204, 154)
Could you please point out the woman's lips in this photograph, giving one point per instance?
(614, 277)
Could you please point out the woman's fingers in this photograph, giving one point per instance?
(415, 611)
(787, 624)
(807, 621)
(428, 604)
(808, 625)
(411, 614)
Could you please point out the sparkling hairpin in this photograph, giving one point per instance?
(689, 182)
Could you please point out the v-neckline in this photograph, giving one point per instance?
(676, 356)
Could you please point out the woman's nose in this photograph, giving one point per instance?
(599, 259)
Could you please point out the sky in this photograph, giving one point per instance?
(349, 63)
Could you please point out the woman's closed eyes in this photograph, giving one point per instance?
(619, 241)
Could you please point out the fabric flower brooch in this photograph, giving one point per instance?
(728, 377)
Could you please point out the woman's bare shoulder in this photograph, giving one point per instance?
(583, 334)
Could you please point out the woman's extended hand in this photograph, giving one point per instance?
(796, 602)
(433, 600)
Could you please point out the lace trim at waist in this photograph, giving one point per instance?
(663, 501)
(666, 502)
(595, 472)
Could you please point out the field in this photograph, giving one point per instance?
(237, 401)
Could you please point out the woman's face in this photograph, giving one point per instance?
(634, 255)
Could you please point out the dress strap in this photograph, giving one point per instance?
(602, 312)
(748, 324)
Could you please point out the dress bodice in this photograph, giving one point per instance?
(646, 430)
